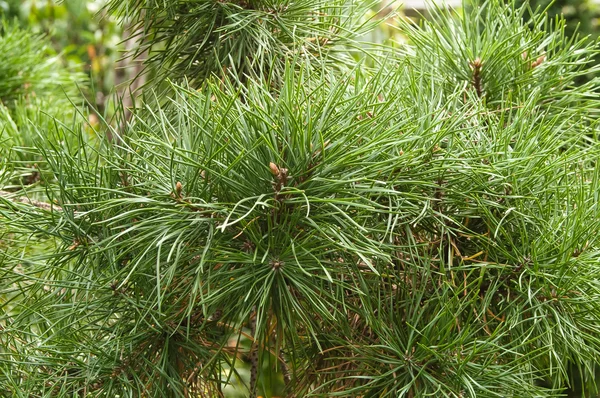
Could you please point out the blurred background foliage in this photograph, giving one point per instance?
(84, 35)
(581, 15)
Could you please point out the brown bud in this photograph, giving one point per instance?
(178, 188)
(75, 245)
(538, 61)
(276, 264)
(476, 64)
(274, 168)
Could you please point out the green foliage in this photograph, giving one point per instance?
(31, 69)
(581, 18)
(506, 70)
(35, 89)
(195, 39)
(85, 35)
(36, 93)
(425, 227)
(580, 15)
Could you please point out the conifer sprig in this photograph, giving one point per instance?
(196, 39)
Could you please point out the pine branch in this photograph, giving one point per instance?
(240, 39)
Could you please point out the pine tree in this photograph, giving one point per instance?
(411, 222)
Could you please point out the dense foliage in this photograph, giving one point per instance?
(195, 39)
(425, 226)
(581, 18)
(36, 92)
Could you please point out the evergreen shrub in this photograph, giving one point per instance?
(426, 226)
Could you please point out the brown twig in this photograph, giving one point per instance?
(281, 176)
(253, 356)
(476, 66)
(24, 199)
